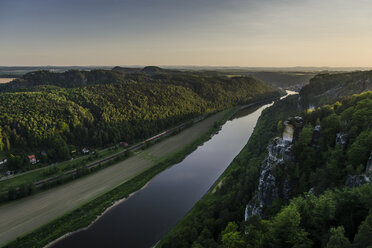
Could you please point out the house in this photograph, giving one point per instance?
(2, 163)
(32, 159)
(85, 151)
(124, 144)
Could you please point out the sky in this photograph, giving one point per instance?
(253, 33)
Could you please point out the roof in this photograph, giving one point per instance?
(31, 156)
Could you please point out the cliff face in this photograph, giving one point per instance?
(271, 186)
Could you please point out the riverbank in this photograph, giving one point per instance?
(88, 212)
(226, 200)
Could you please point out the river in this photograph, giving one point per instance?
(145, 217)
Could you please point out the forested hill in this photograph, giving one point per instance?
(326, 88)
(309, 189)
(51, 114)
(68, 79)
(286, 80)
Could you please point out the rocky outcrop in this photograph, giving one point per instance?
(356, 180)
(341, 139)
(272, 187)
(316, 137)
(288, 132)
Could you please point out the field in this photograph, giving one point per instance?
(5, 80)
(25, 215)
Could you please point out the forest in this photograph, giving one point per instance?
(52, 114)
(329, 198)
(327, 87)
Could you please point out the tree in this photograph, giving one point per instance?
(16, 162)
(337, 238)
(7, 144)
(285, 230)
(1, 141)
(364, 236)
(61, 148)
(280, 126)
(12, 193)
(305, 136)
(331, 125)
(231, 238)
(360, 149)
(255, 231)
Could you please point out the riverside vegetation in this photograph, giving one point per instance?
(326, 179)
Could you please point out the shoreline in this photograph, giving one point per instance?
(98, 217)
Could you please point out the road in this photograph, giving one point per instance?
(25, 215)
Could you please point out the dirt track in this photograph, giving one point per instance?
(19, 217)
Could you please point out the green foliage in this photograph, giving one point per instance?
(326, 164)
(364, 236)
(53, 111)
(325, 88)
(285, 231)
(231, 238)
(2, 145)
(280, 126)
(308, 221)
(337, 238)
(360, 149)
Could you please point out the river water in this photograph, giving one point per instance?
(145, 217)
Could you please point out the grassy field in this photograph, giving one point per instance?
(25, 215)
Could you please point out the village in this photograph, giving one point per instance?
(34, 162)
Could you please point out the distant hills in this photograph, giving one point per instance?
(326, 88)
(293, 78)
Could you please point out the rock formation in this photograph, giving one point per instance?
(271, 187)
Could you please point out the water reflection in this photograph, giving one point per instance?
(148, 215)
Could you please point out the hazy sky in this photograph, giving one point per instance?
(186, 32)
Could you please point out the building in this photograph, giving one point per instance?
(2, 163)
(32, 159)
(124, 144)
(85, 151)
